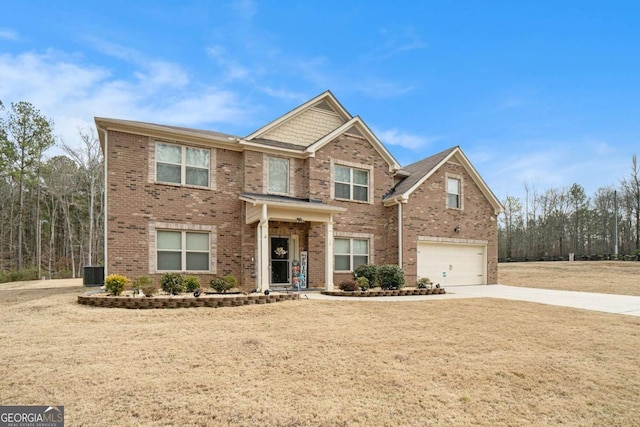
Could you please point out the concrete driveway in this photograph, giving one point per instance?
(619, 304)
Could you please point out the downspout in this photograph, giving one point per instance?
(106, 205)
(400, 247)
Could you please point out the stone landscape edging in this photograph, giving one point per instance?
(183, 302)
(386, 293)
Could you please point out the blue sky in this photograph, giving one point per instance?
(543, 92)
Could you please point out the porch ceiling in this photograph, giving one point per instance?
(283, 208)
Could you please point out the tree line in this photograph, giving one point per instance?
(51, 215)
(557, 222)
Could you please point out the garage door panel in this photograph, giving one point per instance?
(462, 263)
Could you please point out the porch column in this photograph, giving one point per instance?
(328, 273)
(263, 251)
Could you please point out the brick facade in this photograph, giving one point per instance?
(138, 205)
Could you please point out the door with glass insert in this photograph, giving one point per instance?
(280, 256)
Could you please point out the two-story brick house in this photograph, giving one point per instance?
(314, 185)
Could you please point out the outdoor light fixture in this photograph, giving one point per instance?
(457, 229)
(298, 219)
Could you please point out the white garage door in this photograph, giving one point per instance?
(464, 264)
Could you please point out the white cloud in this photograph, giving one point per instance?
(404, 139)
(9, 34)
(72, 93)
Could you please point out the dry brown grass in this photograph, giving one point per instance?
(309, 362)
(607, 277)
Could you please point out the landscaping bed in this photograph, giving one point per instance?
(386, 293)
(103, 300)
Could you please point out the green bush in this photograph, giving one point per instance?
(363, 283)
(391, 276)
(425, 283)
(115, 283)
(369, 271)
(171, 283)
(146, 285)
(220, 284)
(232, 280)
(19, 275)
(348, 285)
(191, 283)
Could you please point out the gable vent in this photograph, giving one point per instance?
(354, 131)
(324, 106)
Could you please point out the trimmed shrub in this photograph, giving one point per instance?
(115, 283)
(391, 276)
(348, 285)
(220, 284)
(369, 271)
(171, 283)
(363, 283)
(424, 283)
(231, 279)
(191, 283)
(146, 285)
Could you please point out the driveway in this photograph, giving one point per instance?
(619, 304)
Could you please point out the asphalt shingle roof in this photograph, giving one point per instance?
(417, 171)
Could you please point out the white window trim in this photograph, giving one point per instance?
(354, 236)
(460, 187)
(352, 165)
(289, 175)
(152, 165)
(194, 228)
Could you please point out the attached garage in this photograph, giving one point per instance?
(463, 263)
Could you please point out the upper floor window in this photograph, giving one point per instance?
(178, 164)
(349, 254)
(278, 175)
(182, 251)
(351, 183)
(453, 193)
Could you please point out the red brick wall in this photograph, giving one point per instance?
(134, 203)
(370, 218)
(426, 214)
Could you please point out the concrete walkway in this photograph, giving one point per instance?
(618, 304)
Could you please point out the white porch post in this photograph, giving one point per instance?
(263, 251)
(328, 274)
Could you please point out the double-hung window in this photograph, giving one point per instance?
(453, 193)
(278, 175)
(351, 183)
(349, 254)
(182, 251)
(182, 165)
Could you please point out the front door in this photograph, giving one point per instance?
(280, 256)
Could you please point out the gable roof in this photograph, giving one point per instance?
(361, 129)
(420, 171)
(325, 101)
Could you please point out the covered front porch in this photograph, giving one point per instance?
(294, 240)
